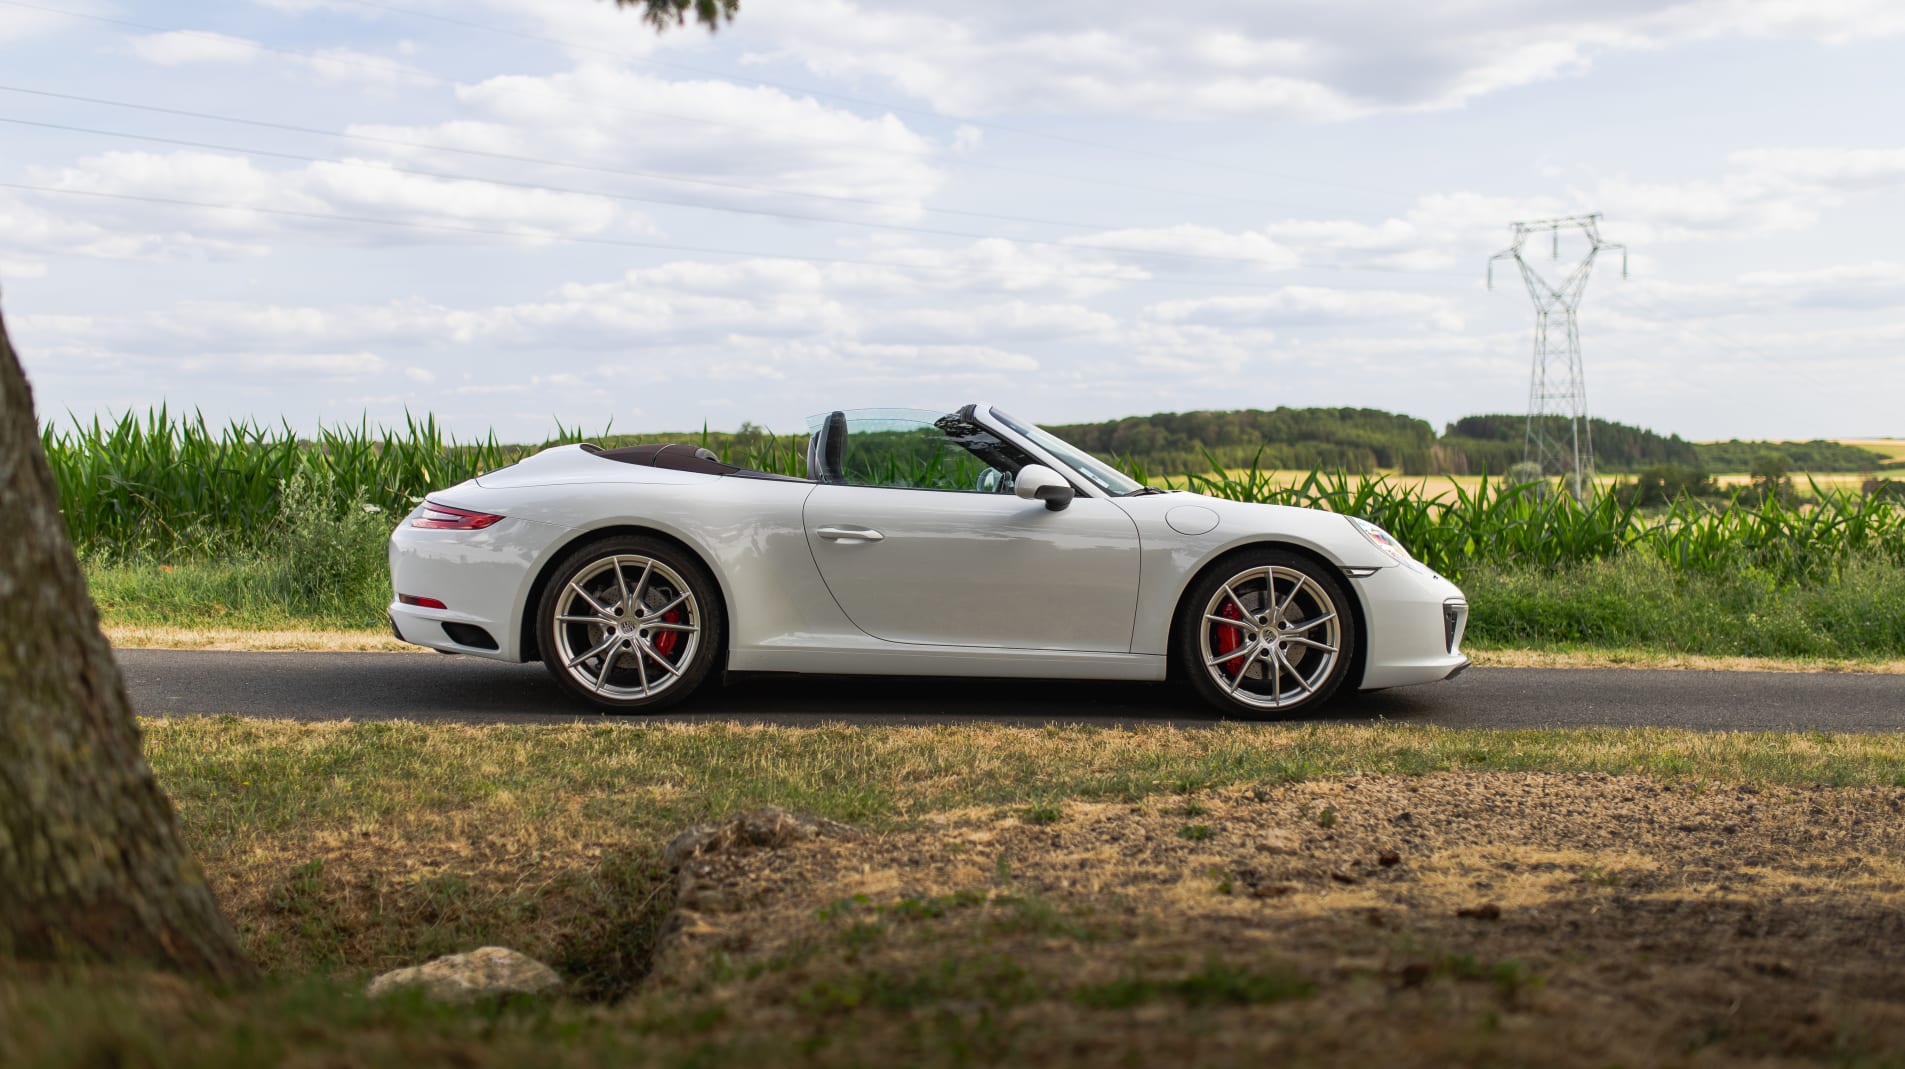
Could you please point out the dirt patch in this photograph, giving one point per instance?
(1482, 918)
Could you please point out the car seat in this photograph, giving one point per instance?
(827, 450)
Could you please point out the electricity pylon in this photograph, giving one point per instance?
(1557, 391)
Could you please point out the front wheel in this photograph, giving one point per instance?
(630, 624)
(1267, 633)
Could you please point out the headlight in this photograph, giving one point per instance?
(1382, 540)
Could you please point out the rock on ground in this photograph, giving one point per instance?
(767, 828)
(467, 977)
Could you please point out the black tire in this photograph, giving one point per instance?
(1294, 639)
(640, 660)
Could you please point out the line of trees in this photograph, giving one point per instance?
(1173, 443)
(1367, 439)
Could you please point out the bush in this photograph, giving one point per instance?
(1884, 490)
(1663, 484)
(329, 543)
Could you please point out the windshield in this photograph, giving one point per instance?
(1107, 478)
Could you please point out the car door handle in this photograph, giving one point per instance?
(849, 534)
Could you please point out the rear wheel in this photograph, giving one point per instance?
(1266, 634)
(630, 624)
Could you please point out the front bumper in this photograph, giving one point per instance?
(1414, 621)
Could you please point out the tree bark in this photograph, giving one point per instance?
(92, 866)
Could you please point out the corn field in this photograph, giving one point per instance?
(159, 486)
(1527, 523)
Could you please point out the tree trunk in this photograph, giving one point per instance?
(92, 866)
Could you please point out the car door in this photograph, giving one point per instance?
(961, 561)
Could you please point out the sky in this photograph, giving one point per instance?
(514, 214)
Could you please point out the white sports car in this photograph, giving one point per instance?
(964, 543)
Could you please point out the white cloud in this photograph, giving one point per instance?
(1873, 286)
(300, 7)
(23, 24)
(126, 229)
(999, 264)
(323, 365)
(723, 144)
(1762, 191)
(1312, 306)
(15, 268)
(1312, 62)
(181, 47)
(1190, 246)
(1834, 168)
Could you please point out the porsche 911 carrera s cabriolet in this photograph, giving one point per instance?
(921, 543)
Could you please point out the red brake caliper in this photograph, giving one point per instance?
(1230, 638)
(666, 642)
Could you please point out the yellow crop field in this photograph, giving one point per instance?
(1892, 448)
(1428, 485)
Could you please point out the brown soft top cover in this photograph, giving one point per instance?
(677, 456)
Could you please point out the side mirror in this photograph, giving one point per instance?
(1040, 483)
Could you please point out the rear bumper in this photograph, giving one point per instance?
(482, 577)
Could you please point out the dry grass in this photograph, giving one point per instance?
(1499, 918)
(1655, 659)
(1030, 895)
(361, 846)
(212, 638)
(1850, 481)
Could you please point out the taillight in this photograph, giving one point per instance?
(449, 518)
(421, 603)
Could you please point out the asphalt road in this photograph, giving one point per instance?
(381, 686)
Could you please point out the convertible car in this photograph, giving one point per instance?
(937, 544)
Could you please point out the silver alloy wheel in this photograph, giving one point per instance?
(1270, 637)
(626, 627)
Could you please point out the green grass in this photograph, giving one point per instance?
(245, 592)
(1217, 983)
(1638, 602)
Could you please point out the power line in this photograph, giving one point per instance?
(402, 68)
(811, 91)
(583, 239)
(609, 194)
(506, 157)
(655, 176)
(413, 71)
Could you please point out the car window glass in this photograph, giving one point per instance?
(1107, 478)
(923, 450)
